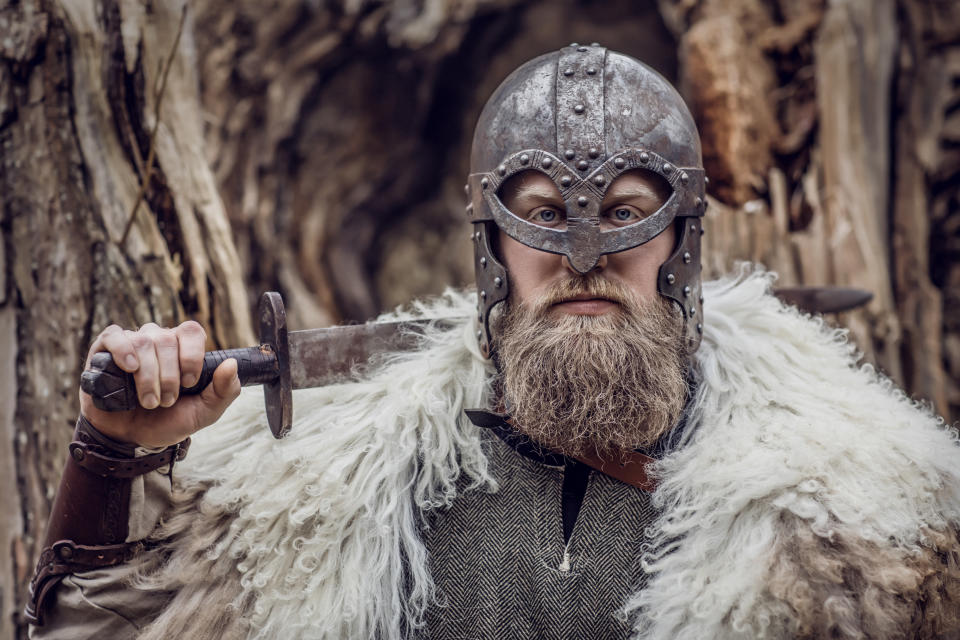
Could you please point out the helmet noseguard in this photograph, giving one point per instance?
(583, 116)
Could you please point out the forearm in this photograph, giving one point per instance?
(111, 496)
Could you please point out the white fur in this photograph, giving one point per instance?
(328, 519)
(784, 422)
(326, 532)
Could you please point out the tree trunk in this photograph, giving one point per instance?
(320, 149)
(79, 88)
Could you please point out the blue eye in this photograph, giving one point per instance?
(547, 215)
(623, 214)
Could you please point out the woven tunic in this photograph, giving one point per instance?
(502, 569)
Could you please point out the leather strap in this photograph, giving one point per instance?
(63, 558)
(90, 459)
(88, 524)
(631, 470)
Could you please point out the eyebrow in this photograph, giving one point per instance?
(530, 192)
(634, 191)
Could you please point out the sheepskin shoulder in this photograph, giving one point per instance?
(812, 499)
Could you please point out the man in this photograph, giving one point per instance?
(631, 466)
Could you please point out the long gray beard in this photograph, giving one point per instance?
(593, 384)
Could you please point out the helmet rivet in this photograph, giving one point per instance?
(667, 168)
(498, 282)
(706, 181)
(77, 454)
(686, 291)
(619, 163)
(599, 180)
(591, 71)
(582, 165)
(502, 170)
(565, 181)
(466, 189)
(684, 178)
(686, 257)
(671, 278)
(568, 71)
(594, 44)
(702, 231)
(574, 44)
(569, 154)
(483, 295)
(701, 300)
(593, 152)
(484, 183)
(582, 201)
(524, 159)
(479, 334)
(578, 108)
(698, 202)
(547, 163)
(693, 226)
(699, 328)
(644, 157)
(483, 262)
(581, 49)
(693, 311)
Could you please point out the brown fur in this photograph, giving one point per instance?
(847, 587)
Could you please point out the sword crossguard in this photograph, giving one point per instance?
(278, 393)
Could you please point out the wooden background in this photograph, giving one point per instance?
(319, 148)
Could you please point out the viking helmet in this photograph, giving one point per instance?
(582, 116)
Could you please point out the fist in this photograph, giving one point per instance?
(161, 361)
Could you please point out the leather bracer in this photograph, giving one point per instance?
(88, 525)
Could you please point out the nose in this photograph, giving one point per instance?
(600, 266)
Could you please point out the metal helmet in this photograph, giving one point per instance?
(582, 116)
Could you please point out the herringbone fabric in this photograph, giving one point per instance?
(498, 558)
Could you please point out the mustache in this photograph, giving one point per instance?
(591, 285)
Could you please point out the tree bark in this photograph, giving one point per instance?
(78, 95)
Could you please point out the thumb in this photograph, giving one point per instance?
(222, 390)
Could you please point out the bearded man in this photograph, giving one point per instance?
(589, 455)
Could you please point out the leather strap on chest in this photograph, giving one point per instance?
(632, 470)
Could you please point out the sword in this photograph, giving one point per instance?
(285, 361)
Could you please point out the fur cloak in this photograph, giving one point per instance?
(808, 498)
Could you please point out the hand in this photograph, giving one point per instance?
(161, 361)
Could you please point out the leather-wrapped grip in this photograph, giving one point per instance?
(113, 389)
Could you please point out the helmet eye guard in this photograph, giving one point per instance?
(583, 240)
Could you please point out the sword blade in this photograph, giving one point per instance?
(320, 357)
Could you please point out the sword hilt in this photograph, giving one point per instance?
(113, 389)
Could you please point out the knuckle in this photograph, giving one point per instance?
(166, 343)
(111, 330)
(169, 380)
(141, 341)
(192, 327)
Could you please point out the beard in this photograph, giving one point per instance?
(580, 384)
